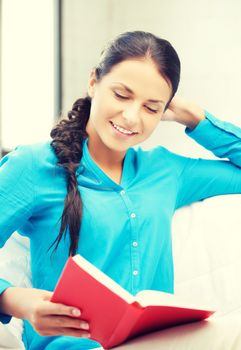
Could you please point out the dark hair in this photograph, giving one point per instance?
(68, 135)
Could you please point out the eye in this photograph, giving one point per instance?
(152, 110)
(121, 96)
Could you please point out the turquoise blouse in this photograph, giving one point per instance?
(126, 227)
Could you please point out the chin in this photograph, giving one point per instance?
(115, 146)
(118, 149)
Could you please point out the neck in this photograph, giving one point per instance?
(105, 157)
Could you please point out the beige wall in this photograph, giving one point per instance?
(27, 71)
(206, 34)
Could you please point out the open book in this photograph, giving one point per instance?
(115, 315)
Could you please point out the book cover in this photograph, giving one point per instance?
(115, 315)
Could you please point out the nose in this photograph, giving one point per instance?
(131, 114)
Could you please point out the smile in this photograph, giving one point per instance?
(122, 130)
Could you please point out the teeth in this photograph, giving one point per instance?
(124, 131)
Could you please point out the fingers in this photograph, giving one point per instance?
(61, 325)
(74, 333)
(49, 318)
(64, 321)
(50, 308)
(63, 331)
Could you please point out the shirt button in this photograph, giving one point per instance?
(135, 244)
(133, 215)
(122, 192)
(135, 272)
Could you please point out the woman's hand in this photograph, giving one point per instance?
(46, 317)
(184, 112)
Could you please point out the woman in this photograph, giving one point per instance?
(90, 192)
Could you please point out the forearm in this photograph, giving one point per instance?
(12, 302)
(220, 137)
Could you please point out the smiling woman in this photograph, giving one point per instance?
(90, 191)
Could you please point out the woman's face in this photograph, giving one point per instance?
(127, 104)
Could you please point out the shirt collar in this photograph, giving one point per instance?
(93, 176)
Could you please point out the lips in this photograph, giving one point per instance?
(122, 130)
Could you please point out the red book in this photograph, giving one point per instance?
(115, 315)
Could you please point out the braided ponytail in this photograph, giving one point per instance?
(68, 136)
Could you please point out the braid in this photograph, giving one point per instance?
(68, 136)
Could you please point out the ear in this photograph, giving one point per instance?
(91, 83)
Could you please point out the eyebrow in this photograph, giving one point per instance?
(129, 90)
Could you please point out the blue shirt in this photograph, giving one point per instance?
(126, 227)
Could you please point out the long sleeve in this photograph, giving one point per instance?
(16, 191)
(203, 178)
(16, 198)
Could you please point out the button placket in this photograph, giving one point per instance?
(134, 251)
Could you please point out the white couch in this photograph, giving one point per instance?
(206, 248)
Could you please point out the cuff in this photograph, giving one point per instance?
(209, 130)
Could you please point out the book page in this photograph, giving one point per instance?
(103, 278)
(153, 297)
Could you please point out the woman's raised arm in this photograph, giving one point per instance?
(201, 178)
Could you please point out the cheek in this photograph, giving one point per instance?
(102, 108)
(96, 109)
(151, 123)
